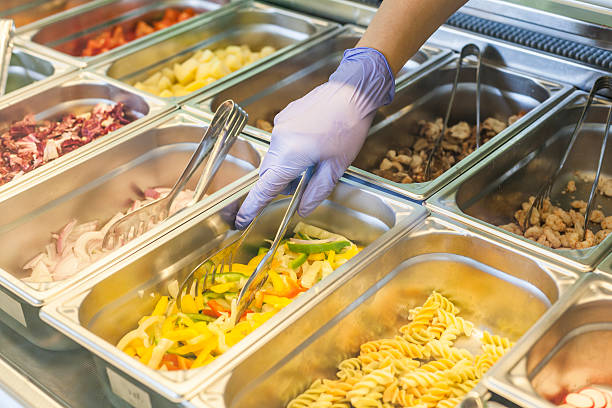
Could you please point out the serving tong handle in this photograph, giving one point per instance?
(604, 82)
(467, 50)
(7, 29)
(259, 276)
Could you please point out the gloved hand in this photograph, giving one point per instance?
(326, 128)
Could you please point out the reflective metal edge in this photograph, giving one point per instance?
(63, 315)
(212, 391)
(321, 26)
(203, 101)
(38, 298)
(24, 35)
(345, 11)
(156, 107)
(422, 191)
(526, 60)
(444, 202)
(593, 286)
(605, 266)
(21, 392)
(60, 69)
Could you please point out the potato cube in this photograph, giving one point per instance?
(166, 93)
(153, 80)
(206, 56)
(233, 61)
(164, 83)
(218, 69)
(186, 72)
(267, 50)
(169, 73)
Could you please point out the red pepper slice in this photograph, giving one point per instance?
(170, 361)
(217, 307)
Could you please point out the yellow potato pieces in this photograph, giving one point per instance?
(201, 69)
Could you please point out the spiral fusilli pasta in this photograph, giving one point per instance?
(421, 368)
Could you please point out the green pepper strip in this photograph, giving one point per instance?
(262, 250)
(197, 317)
(315, 248)
(297, 262)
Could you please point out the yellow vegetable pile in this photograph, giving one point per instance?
(169, 339)
(203, 68)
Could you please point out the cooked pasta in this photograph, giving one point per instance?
(420, 368)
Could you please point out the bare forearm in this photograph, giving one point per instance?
(400, 27)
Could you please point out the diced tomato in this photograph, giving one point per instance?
(143, 29)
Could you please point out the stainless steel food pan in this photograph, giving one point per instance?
(76, 93)
(24, 12)
(495, 286)
(96, 187)
(249, 23)
(606, 266)
(66, 35)
(265, 91)
(567, 350)
(27, 70)
(504, 92)
(97, 314)
(488, 194)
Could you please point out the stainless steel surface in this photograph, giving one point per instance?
(504, 92)
(496, 287)
(260, 275)
(488, 194)
(27, 68)
(76, 94)
(266, 90)
(96, 187)
(98, 313)
(606, 265)
(217, 140)
(535, 63)
(66, 34)
(47, 379)
(247, 23)
(7, 29)
(467, 50)
(24, 12)
(568, 349)
(345, 11)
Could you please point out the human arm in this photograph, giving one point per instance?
(327, 127)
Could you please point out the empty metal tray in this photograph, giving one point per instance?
(504, 92)
(249, 23)
(266, 90)
(495, 286)
(97, 314)
(27, 68)
(488, 194)
(24, 12)
(568, 350)
(96, 188)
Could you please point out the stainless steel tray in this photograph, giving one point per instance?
(496, 287)
(75, 93)
(97, 314)
(266, 90)
(28, 70)
(96, 188)
(504, 92)
(24, 12)
(357, 12)
(66, 34)
(569, 348)
(606, 265)
(488, 194)
(250, 23)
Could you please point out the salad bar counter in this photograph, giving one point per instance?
(409, 286)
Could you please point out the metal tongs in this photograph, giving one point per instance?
(604, 82)
(198, 278)
(7, 29)
(467, 50)
(226, 125)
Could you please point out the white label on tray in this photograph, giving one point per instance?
(128, 391)
(12, 307)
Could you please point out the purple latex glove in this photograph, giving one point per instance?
(326, 128)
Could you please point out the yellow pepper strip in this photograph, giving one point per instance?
(181, 334)
(161, 306)
(276, 301)
(351, 252)
(222, 287)
(317, 257)
(130, 351)
(201, 327)
(239, 332)
(253, 262)
(277, 282)
(146, 355)
(188, 304)
(199, 301)
(204, 356)
(168, 325)
(200, 342)
(240, 268)
(331, 255)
